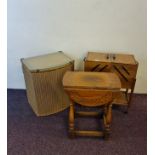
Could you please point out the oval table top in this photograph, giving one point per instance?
(91, 80)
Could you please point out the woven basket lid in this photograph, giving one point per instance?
(46, 62)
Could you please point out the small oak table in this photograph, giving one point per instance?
(91, 89)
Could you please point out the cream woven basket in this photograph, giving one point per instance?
(43, 78)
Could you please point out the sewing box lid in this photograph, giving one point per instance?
(110, 57)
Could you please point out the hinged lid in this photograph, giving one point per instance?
(111, 57)
(46, 62)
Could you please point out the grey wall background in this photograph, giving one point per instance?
(75, 27)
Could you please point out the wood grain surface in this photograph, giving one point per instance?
(93, 80)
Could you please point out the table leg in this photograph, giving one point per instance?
(107, 118)
(71, 120)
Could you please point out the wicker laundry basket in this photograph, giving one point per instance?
(43, 78)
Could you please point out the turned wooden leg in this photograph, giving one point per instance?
(107, 118)
(71, 121)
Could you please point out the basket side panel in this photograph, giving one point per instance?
(30, 90)
(50, 94)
